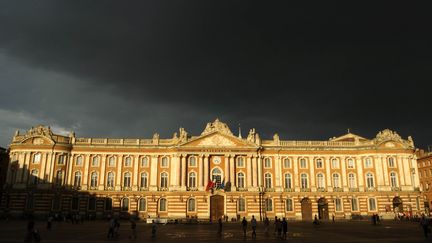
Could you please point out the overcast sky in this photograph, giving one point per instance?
(111, 69)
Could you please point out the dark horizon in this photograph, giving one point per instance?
(129, 70)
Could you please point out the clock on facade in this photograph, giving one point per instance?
(216, 160)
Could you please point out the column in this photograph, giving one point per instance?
(249, 171)
(183, 171)
(27, 167)
(85, 173)
(344, 176)
(328, 174)
(206, 168)
(200, 172)
(277, 171)
(401, 171)
(153, 172)
(378, 170)
(254, 171)
(360, 176)
(135, 173)
(385, 172)
(312, 173)
(232, 172)
(102, 172)
(42, 167)
(119, 175)
(175, 161)
(226, 170)
(24, 167)
(69, 170)
(259, 170)
(51, 165)
(21, 162)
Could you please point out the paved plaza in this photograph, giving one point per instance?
(96, 231)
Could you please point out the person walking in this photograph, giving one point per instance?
(111, 228)
(49, 222)
(333, 217)
(254, 225)
(279, 229)
(316, 222)
(267, 226)
(424, 223)
(275, 225)
(220, 226)
(133, 229)
(284, 229)
(154, 227)
(244, 226)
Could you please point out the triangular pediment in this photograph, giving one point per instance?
(349, 137)
(218, 140)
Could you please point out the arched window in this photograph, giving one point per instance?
(391, 162)
(77, 180)
(338, 204)
(350, 163)
(61, 159)
(125, 204)
(191, 205)
(128, 161)
(95, 161)
(268, 180)
(336, 180)
(354, 204)
(393, 179)
(267, 162)
(241, 205)
(352, 181)
(127, 179)
(142, 205)
(287, 163)
(94, 179)
(112, 161)
(192, 179)
(319, 163)
(216, 176)
(108, 204)
(37, 158)
(55, 203)
(192, 161)
(164, 162)
(240, 180)
(269, 204)
(288, 182)
(162, 204)
(303, 163)
(34, 177)
(164, 180)
(144, 179)
(289, 205)
(92, 203)
(335, 163)
(368, 162)
(370, 180)
(304, 181)
(372, 204)
(144, 161)
(320, 181)
(59, 178)
(240, 162)
(79, 161)
(110, 179)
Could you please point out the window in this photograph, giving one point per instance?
(108, 204)
(351, 181)
(240, 180)
(192, 161)
(95, 161)
(267, 163)
(288, 182)
(393, 179)
(289, 205)
(368, 163)
(79, 161)
(217, 176)
(335, 163)
(164, 180)
(125, 204)
(240, 162)
(30, 202)
(92, 203)
(110, 179)
(128, 161)
(304, 181)
(287, 163)
(127, 179)
(37, 158)
(112, 161)
(372, 204)
(369, 180)
(34, 177)
(164, 162)
(191, 205)
(319, 163)
(320, 181)
(350, 163)
(61, 160)
(303, 163)
(162, 204)
(144, 161)
(354, 204)
(144, 179)
(268, 204)
(241, 205)
(142, 205)
(338, 204)
(77, 181)
(391, 162)
(268, 180)
(74, 203)
(94, 179)
(192, 179)
(59, 178)
(336, 181)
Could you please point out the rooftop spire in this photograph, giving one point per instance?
(239, 135)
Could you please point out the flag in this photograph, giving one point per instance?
(210, 185)
(222, 185)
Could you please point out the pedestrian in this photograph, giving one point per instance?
(373, 219)
(424, 223)
(275, 225)
(36, 236)
(279, 229)
(133, 229)
(220, 226)
(244, 226)
(49, 222)
(111, 228)
(116, 228)
(284, 228)
(267, 226)
(316, 222)
(30, 229)
(154, 227)
(254, 225)
(333, 217)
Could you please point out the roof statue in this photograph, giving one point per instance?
(217, 126)
(388, 134)
(39, 130)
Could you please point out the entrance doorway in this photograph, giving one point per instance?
(323, 212)
(216, 207)
(397, 205)
(306, 208)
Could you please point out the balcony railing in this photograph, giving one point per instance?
(162, 189)
(192, 189)
(321, 189)
(305, 189)
(242, 189)
(337, 189)
(352, 189)
(288, 189)
(417, 189)
(126, 188)
(395, 188)
(143, 188)
(371, 189)
(93, 188)
(269, 189)
(109, 188)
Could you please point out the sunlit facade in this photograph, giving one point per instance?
(347, 176)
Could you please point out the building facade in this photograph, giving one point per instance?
(424, 164)
(347, 176)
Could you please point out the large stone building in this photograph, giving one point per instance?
(424, 164)
(346, 176)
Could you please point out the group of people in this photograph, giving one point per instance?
(375, 219)
(253, 224)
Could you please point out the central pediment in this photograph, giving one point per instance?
(218, 140)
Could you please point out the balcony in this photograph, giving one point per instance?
(192, 189)
(396, 189)
(371, 189)
(242, 189)
(269, 189)
(354, 189)
(109, 188)
(416, 189)
(288, 189)
(93, 188)
(305, 190)
(163, 189)
(126, 188)
(337, 189)
(321, 189)
(143, 188)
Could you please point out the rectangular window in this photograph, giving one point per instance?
(350, 163)
(289, 205)
(335, 163)
(338, 204)
(287, 163)
(61, 159)
(75, 203)
(303, 163)
(354, 204)
(372, 204)
(319, 163)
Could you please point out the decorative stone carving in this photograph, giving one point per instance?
(388, 134)
(39, 130)
(216, 140)
(183, 135)
(217, 126)
(276, 139)
(156, 138)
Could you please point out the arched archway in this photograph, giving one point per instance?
(306, 208)
(323, 212)
(397, 205)
(217, 207)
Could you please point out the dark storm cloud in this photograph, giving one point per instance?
(130, 69)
